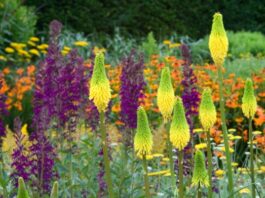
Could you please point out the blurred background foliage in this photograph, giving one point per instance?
(137, 17)
(17, 21)
(120, 26)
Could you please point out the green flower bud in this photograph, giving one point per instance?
(200, 175)
(22, 191)
(165, 94)
(143, 140)
(207, 111)
(54, 193)
(249, 103)
(179, 129)
(99, 90)
(218, 42)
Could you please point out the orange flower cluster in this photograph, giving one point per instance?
(20, 81)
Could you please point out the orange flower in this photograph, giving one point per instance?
(216, 135)
(261, 142)
(261, 94)
(6, 70)
(260, 119)
(116, 108)
(245, 135)
(4, 87)
(239, 119)
(119, 123)
(30, 70)
(20, 71)
(218, 153)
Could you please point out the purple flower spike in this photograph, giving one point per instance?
(20, 160)
(73, 88)
(132, 86)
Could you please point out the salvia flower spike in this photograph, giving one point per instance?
(249, 103)
(207, 111)
(218, 42)
(143, 140)
(165, 94)
(22, 191)
(179, 129)
(100, 91)
(200, 175)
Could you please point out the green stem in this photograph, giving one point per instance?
(71, 172)
(146, 182)
(199, 195)
(105, 154)
(5, 193)
(251, 159)
(224, 129)
(180, 160)
(171, 162)
(210, 165)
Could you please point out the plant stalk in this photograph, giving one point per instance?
(180, 160)
(105, 154)
(199, 195)
(171, 162)
(252, 173)
(224, 129)
(210, 165)
(71, 172)
(146, 182)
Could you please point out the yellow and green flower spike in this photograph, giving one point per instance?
(179, 129)
(143, 140)
(54, 192)
(200, 175)
(218, 42)
(207, 111)
(249, 103)
(22, 191)
(165, 95)
(100, 91)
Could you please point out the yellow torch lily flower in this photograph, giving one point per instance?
(179, 129)
(143, 140)
(165, 94)
(218, 42)
(100, 91)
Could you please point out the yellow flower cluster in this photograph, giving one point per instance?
(81, 43)
(26, 51)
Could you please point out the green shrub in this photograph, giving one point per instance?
(246, 43)
(138, 17)
(17, 22)
(150, 46)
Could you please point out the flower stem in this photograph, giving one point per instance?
(105, 154)
(210, 165)
(199, 195)
(146, 182)
(224, 129)
(71, 172)
(171, 162)
(251, 159)
(180, 160)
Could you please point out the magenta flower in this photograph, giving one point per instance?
(20, 160)
(132, 86)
